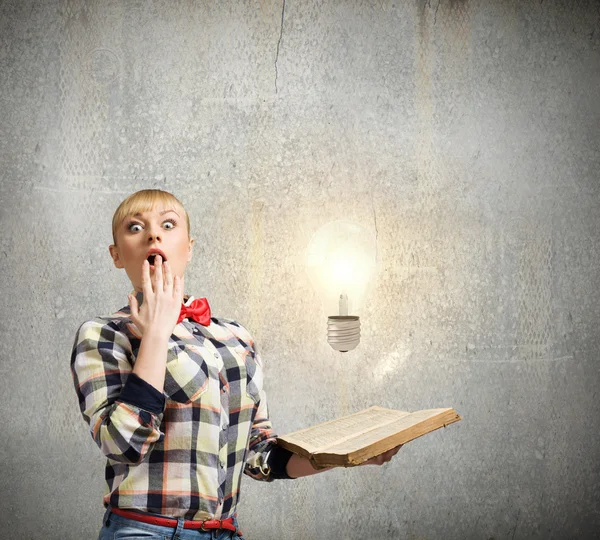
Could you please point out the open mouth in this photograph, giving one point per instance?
(151, 259)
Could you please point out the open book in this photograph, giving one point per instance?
(354, 439)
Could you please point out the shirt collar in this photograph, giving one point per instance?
(140, 298)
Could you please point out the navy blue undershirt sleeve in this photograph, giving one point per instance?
(142, 394)
(277, 462)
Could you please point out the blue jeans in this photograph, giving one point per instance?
(116, 528)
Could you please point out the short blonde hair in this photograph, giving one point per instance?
(144, 201)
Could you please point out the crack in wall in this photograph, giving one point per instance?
(516, 524)
(427, 4)
(279, 43)
(375, 219)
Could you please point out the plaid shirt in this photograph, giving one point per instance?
(181, 453)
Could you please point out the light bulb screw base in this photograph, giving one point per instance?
(343, 332)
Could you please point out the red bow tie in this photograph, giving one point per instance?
(198, 310)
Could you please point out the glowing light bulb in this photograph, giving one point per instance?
(341, 261)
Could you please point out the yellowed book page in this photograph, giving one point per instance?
(412, 425)
(320, 437)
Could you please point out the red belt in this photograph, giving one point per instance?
(170, 522)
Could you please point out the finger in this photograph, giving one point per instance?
(181, 285)
(158, 273)
(146, 283)
(168, 277)
(177, 289)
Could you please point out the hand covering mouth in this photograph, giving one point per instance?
(152, 256)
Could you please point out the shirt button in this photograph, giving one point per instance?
(224, 427)
(216, 355)
(222, 463)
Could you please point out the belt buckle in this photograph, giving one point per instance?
(203, 528)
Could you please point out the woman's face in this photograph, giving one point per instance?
(162, 228)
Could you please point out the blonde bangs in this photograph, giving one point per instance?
(144, 201)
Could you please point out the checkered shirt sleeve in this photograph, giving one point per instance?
(100, 365)
(262, 437)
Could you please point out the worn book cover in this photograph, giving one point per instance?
(356, 438)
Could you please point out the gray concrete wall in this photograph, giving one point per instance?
(464, 132)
